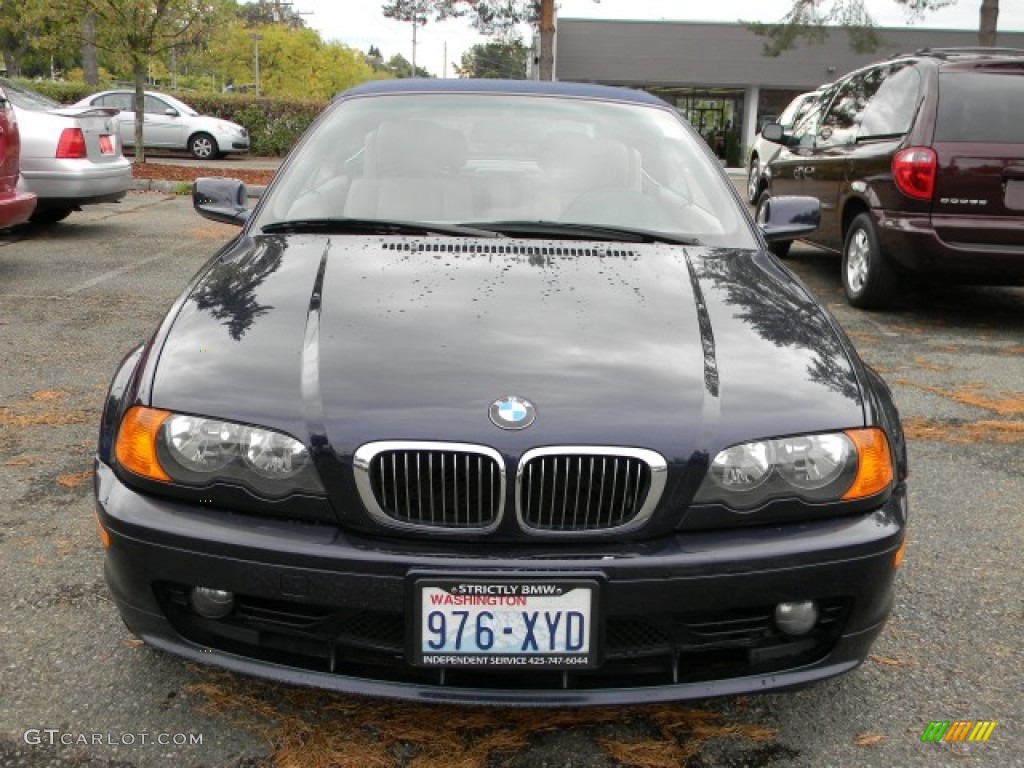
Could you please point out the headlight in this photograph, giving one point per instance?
(817, 468)
(743, 467)
(197, 451)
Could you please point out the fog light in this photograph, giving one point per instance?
(796, 618)
(212, 603)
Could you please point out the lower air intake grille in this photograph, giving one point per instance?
(432, 485)
(581, 489)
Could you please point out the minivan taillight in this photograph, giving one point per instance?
(71, 145)
(913, 170)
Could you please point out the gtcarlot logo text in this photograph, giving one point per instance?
(55, 736)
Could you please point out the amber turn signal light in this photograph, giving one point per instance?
(874, 466)
(136, 442)
(104, 536)
(897, 559)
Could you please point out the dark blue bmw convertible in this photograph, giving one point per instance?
(499, 397)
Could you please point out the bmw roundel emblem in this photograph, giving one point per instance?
(512, 413)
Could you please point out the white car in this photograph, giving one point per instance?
(173, 124)
(763, 151)
(70, 156)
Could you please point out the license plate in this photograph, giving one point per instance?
(106, 145)
(470, 622)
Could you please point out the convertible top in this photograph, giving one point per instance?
(535, 87)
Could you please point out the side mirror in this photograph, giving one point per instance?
(773, 132)
(171, 112)
(220, 199)
(788, 217)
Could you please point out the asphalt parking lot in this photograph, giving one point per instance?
(76, 689)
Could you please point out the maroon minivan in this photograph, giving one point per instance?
(15, 205)
(918, 162)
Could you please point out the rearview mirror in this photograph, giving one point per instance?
(773, 132)
(788, 217)
(171, 112)
(220, 199)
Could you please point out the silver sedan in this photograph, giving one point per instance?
(170, 123)
(70, 156)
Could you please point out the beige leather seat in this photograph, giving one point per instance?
(411, 171)
(575, 164)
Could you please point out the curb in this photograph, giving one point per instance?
(157, 185)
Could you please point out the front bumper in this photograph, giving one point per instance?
(686, 616)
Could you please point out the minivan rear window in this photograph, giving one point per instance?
(981, 107)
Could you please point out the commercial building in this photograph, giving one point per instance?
(717, 75)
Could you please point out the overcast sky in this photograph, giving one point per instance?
(359, 23)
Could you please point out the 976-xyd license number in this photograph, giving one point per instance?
(475, 623)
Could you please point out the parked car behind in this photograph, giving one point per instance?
(918, 162)
(70, 156)
(16, 204)
(763, 151)
(170, 123)
(507, 404)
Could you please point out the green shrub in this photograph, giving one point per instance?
(733, 150)
(59, 90)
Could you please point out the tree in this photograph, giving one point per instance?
(399, 67)
(495, 59)
(143, 28)
(90, 64)
(293, 62)
(494, 18)
(264, 12)
(810, 19)
(36, 27)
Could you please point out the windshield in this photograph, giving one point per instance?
(480, 159)
(23, 98)
(796, 109)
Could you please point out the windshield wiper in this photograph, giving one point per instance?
(570, 230)
(374, 227)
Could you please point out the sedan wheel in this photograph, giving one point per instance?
(868, 278)
(753, 181)
(203, 147)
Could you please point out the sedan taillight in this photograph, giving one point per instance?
(71, 145)
(913, 170)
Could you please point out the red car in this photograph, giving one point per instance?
(15, 206)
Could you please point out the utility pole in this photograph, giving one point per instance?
(415, 23)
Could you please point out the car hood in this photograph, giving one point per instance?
(355, 339)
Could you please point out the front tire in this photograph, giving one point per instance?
(779, 247)
(203, 147)
(869, 279)
(753, 181)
